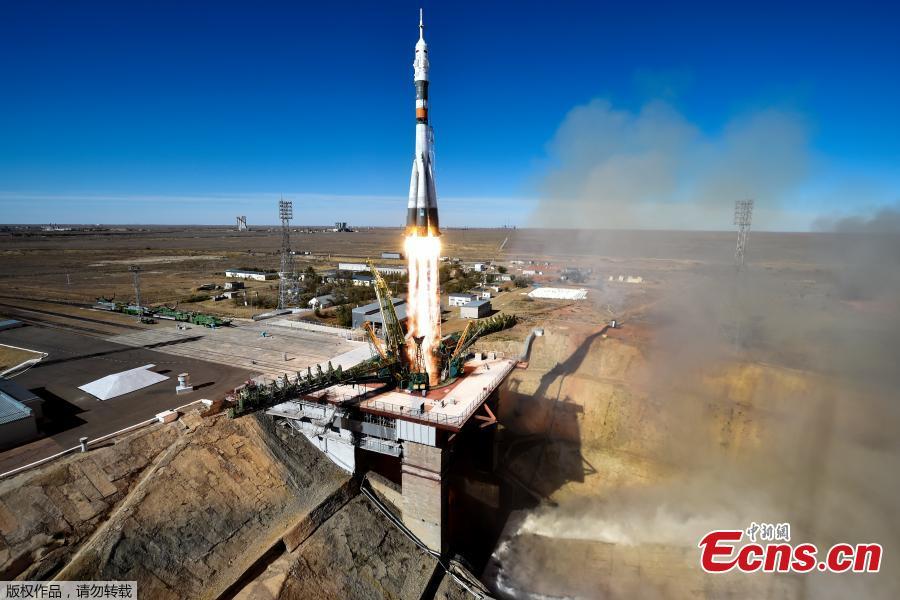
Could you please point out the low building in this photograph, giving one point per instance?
(627, 279)
(386, 270)
(392, 255)
(476, 309)
(363, 280)
(329, 276)
(383, 269)
(372, 313)
(322, 301)
(19, 412)
(245, 274)
(460, 299)
(353, 267)
(234, 285)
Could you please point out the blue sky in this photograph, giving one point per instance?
(192, 112)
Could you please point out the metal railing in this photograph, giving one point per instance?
(345, 332)
(441, 418)
(89, 443)
(376, 445)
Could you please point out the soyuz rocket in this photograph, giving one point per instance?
(422, 213)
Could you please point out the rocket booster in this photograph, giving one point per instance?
(421, 213)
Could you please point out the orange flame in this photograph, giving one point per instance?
(424, 303)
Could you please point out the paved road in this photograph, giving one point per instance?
(74, 359)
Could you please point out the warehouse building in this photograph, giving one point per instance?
(245, 274)
(19, 412)
(359, 267)
(476, 309)
(372, 313)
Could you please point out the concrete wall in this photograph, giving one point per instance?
(416, 432)
(386, 489)
(424, 493)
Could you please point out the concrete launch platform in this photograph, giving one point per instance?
(447, 407)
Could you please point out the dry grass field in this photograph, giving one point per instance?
(79, 266)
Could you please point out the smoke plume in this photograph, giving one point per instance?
(613, 168)
(768, 394)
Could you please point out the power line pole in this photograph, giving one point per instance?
(743, 213)
(286, 288)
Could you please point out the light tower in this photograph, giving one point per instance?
(136, 278)
(286, 288)
(743, 213)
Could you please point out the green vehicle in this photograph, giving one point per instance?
(211, 321)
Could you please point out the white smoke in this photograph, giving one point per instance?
(653, 168)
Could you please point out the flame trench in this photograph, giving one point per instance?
(423, 301)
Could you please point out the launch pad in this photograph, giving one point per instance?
(418, 430)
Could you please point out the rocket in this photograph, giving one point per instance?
(421, 213)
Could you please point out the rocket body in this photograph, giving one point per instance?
(421, 213)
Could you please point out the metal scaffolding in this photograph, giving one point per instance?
(287, 287)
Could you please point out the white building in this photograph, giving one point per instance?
(384, 270)
(322, 301)
(476, 309)
(353, 267)
(461, 299)
(244, 274)
(627, 278)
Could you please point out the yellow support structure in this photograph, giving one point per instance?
(374, 339)
(462, 339)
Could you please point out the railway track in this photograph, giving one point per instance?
(37, 316)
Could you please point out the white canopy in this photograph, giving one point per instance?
(559, 293)
(125, 382)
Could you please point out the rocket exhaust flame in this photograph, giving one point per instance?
(424, 306)
(423, 244)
